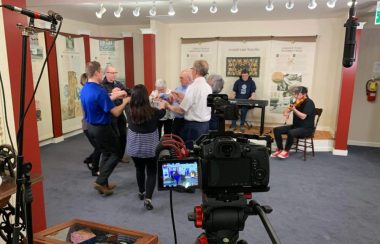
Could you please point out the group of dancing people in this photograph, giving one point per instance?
(182, 111)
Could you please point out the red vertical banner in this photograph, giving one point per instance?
(87, 52)
(128, 62)
(149, 41)
(54, 88)
(31, 149)
(345, 102)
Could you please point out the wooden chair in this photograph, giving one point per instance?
(302, 144)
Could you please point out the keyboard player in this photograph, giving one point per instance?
(244, 88)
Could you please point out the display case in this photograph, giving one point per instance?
(81, 231)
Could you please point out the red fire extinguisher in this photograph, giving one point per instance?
(371, 89)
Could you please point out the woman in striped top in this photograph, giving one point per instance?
(143, 139)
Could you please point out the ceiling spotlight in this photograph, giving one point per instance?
(136, 12)
(118, 11)
(213, 8)
(289, 4)
(171, 11)
(101, 11)
(152, 11)
(349, 4)
(234, 8)
(312, 4)
(194, 8)
(269, 7)
(331, 3)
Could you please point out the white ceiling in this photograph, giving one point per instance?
(248, 10)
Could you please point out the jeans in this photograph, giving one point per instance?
(243, 116)
(193, 130)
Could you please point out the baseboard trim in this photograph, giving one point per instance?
(363, 143)
(60, 139)
(73, 133)
(340, 152)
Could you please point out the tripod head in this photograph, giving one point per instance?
(224, 216)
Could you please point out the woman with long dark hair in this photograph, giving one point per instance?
(143, 139)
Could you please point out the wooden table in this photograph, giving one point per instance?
(61, 233)
(7, 210)
(8, 187)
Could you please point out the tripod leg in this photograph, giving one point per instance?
(268, 226)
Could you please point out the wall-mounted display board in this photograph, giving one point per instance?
(42, 97)
(276, 64)
(204, 49)
(109, 52)
(71, 64)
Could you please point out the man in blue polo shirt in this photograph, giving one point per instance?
(98, 107)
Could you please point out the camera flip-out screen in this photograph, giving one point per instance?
(177, 174)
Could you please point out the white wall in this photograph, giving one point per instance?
(329, 51)
(365, 116)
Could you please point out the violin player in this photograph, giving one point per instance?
(303, 122)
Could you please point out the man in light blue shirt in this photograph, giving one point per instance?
(185, 78)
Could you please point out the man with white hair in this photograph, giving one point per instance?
(185, 78)
(194, 105)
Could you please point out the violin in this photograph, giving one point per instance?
(296, 104)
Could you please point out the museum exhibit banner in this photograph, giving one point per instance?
(194, 49)
(109, 51)
(42, 97)
(71, 64)
(2, 123)
(291, 64)
(276, 64)
(241, 53)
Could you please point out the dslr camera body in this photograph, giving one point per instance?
(227, 167)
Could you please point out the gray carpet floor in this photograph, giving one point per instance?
(326, 199)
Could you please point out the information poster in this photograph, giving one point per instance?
(291, 65)
(71, 64)
(201, 50)
(275, 66)
(2, 131)
(42, 98)
(109, 52)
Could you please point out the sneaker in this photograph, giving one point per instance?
(284, 154)
(242, 128)
(148, 204)
(276, 153)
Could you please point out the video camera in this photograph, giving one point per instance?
(227, 167)
(222, 162)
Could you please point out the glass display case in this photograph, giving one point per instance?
(86, 232)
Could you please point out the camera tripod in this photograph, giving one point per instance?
(222, 218)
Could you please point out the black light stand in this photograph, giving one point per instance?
(24, 196)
